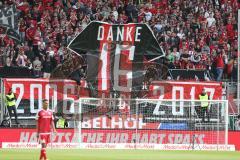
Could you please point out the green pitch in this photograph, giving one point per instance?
(67, 154)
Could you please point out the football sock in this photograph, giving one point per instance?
(43, 154)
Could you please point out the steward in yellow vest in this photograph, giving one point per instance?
(204, 100)
(61, 123)
(203, 97)
(11, 104)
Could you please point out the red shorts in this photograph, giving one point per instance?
(44, 138)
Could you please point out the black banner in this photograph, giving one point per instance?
(115, 54)
(6, 30)
(9, 16)
(185, 74)
(15, 72)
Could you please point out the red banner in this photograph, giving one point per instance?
(122, 136)
(44, 88)
(61, 93)
(184, 90)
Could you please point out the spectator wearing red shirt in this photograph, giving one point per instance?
(30, 32)
(22, 28)
(230, 31)
(177, 24)
(184, 59)
(219, 62)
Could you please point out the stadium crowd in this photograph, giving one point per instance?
(195, 34)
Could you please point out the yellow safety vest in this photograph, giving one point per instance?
(60, 123)
(11, 102)
(204, 100)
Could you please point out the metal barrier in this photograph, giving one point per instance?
(232, 123)
(231, 95)
(2, 101)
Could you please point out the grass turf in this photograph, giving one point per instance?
(33, 154)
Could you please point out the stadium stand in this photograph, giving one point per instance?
(200, 42)
(196, 35)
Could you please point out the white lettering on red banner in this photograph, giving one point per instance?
(118, 139)
(64, 90)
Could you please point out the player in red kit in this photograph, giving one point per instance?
(45, 125)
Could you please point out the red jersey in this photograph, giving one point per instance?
(44, 118)
(219, 61)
